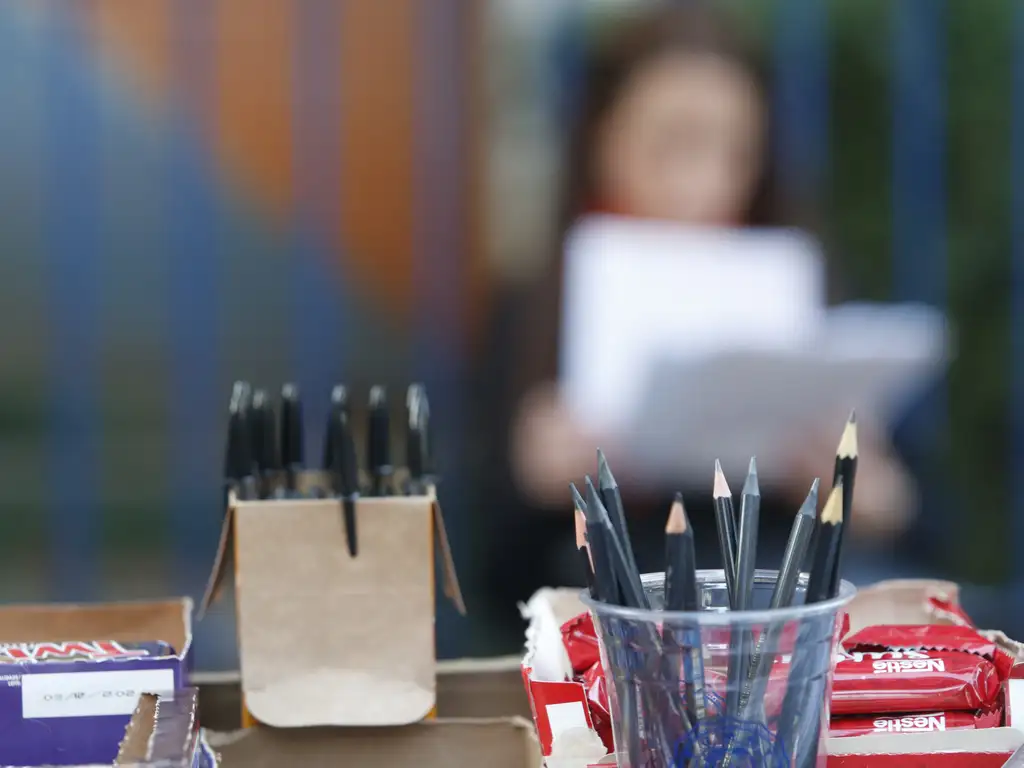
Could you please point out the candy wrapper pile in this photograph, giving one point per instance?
(888, 679)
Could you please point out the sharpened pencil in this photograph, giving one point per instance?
(597, 543)
(782, 597)
(681, 595)
(846, 473)
(740, 640)
(586, 563)
(725, 522)
(612, 500)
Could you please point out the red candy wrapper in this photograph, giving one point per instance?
(918, 668)
(580, 641)
(930, 637)
(876, 682)
(920, 723)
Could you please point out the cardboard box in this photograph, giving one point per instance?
(480, 720)
(565, 728)
(466, 688)
(164, 733)
(51, 713)
(329, 639)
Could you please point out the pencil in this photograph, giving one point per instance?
(821, 583)
(806, 651)
(846, 473)
(746, 557)
(782, 597)
(630, 589)
(604, 574)
(681, 595)
(725, 521)
(612, 500)
(584, 553)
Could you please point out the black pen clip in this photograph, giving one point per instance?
(344, 472)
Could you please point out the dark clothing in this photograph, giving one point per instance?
(523, 547)
(526, 547)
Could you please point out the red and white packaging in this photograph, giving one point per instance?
(570, 728)
(561, 706)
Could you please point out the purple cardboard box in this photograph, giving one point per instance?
(67, 697)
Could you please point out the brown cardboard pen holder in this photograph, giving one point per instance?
(326, 638)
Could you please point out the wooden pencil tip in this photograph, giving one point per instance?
(721, 490)
(581, 529)
(577, 498)
(848, 442)
(832, 514)
(677, 522)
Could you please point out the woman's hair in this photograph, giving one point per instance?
(620, 50)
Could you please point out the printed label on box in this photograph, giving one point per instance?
(88, 694)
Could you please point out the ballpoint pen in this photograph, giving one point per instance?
(417, 440)
(263, 433)
(379, 444)
(239, 469)
(292, 437)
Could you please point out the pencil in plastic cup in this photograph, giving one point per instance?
(651, 676)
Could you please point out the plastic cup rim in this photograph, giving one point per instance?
(847, 591)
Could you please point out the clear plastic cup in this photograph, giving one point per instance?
(718, 687)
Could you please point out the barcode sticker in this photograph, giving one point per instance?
(88, 694)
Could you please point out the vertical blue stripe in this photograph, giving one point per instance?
(1017, 291)
(198, 404)
(919, 151)
(319, 338)
(72, 232)
(440, 254)
(801, 94)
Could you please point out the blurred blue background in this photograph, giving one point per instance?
(194, 191)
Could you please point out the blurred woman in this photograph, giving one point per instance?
(674, 125)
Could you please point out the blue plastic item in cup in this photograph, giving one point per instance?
(682, 695)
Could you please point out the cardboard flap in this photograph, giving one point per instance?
(504, 743)
(328, 639)
(139, 733)
(169, 621)
(222, 560)
(452, 589)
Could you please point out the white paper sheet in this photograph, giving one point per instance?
(662, 359)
